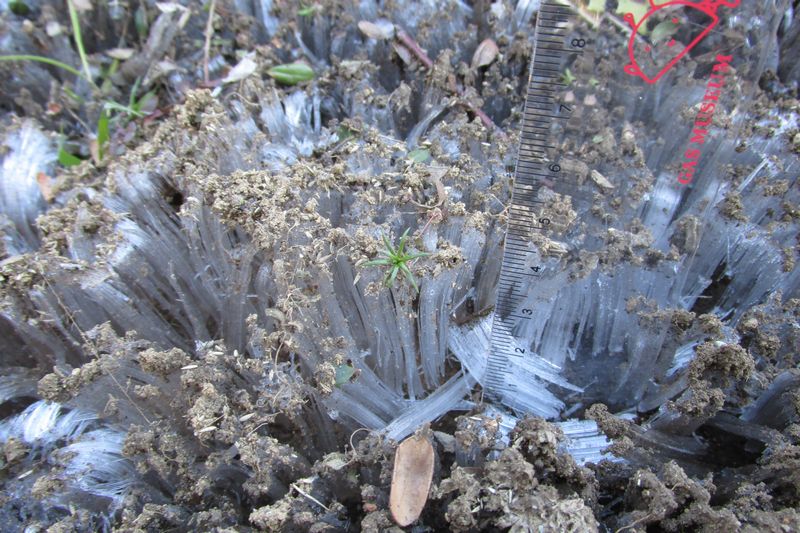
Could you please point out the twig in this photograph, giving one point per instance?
(414, 47)
(207, 45)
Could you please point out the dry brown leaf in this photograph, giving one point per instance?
(82, 5)
(485, 53)
(381, 29)
(243, 69)
(44, 186)
(120, 53)
(601, 180)
(403, 53)
(411, 479)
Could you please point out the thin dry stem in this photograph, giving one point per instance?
(207, 44)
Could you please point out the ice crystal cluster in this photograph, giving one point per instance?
(189, 335)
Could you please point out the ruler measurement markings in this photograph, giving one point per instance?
(539, 115)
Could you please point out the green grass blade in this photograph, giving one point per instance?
(102, 134)
(376, 262)
(392, 276)
(388, 244)
(76, 33)
(42, 59)
(417, 255)
(409, 276)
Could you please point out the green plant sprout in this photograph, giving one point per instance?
(567, 77)
(397, 259)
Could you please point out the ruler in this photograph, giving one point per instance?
(554, 43)
(620, 159)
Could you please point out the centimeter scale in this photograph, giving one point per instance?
(543, 106)
(629, 132)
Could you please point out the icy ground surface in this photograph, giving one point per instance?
(190, 334)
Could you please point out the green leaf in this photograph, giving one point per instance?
(387, 243)
(638, 8)
(67, 159)
(420, 155)
(344, 133)
(344, 373)
(102, 134)
(567, 77)
(307, 11)
(75, 97)
(663, 31)
(392, 277)
(18, 8)
(417, 255)
(292, 73)
(409, 276)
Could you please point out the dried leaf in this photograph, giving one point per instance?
(403, 53)
(485, 53)
(43, 180)
(381, 29)
(169, 7)
(243, 69)
(120, 53)
(411, 479)
(82, 5)
(53, 29)
(601, 180)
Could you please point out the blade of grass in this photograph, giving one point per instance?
(42, 59)
(102, 134)
(409, 276)
(209, 33)
(392, 277)
(78, 36)
(377, 262)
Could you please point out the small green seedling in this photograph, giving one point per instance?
(397, 259)
(567, 77)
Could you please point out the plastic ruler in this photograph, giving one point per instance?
(665, 41)
(554, 41)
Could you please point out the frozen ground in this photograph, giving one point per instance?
(191, 339)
